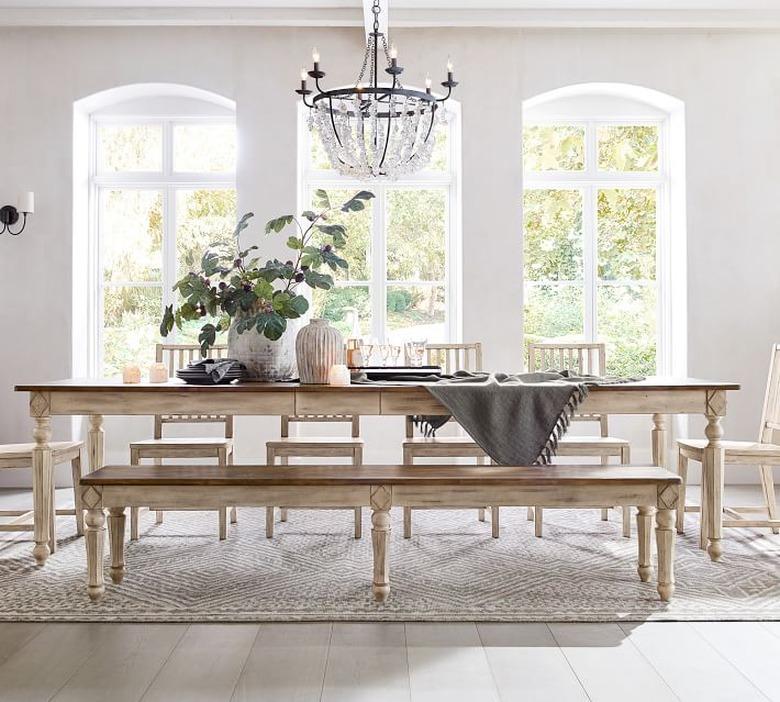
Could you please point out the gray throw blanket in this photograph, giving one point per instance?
(516, 419)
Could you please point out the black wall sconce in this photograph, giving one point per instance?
(9, 215)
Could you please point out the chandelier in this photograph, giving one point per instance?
(372, 130)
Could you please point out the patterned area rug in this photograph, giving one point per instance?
(452, 570)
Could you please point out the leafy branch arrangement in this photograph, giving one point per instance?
(263, 298)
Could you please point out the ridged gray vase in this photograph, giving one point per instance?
(318, 347)
(266, 361)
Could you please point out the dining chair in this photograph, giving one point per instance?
(176, 356)
(580, 359)
(764, 453)
(451, 358)
(21, 456)
(288, 447)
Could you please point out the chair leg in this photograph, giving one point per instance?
(682, 471)
(75, 467)
(408, 461)
(768, 485)
(53, 526)
(269, 511)
(529, 514)
(158, 518)
(222, 460)
(494, 523)
(625, 459)
(233, 511)
(357, 460)
(605, 510)
(538, 512)
(481, 514)
(134, 511)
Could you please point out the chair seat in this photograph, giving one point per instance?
(591, 442)
(459, 441)
(20, 455)
(184, 442)
(734, 450)
(302, 442)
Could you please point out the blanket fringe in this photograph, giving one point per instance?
(576, 398)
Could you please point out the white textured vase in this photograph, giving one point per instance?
(266, 361)
(318, 347)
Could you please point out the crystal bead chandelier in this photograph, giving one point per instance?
(372, 130)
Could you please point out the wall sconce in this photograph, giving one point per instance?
(9, 215)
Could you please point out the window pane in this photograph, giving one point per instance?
(347, 308)
(440, 158)
(553, 312)
(416, 234)
(204, 148)
(553, 148)
(203, 218)
(626, 234)
(131, 235)
(357, 252)
(416, 313)
(131, 322)
(628, 148)
(130, 147)
(319, 157)
(552, 223)
(627, 323)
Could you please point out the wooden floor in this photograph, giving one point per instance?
(387, 662)
(346, 662)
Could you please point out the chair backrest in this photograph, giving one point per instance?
(581, 358)
(176, 356)
(454, 357)
(770, 414)
(352, 420)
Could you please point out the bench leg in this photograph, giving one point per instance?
(538, 515)
(682, 471)
(380, 540)
(644, 519)
(407, 522)
(664, 539)
(95, 541)
(495, 526)
(116, 534)
(269, 522)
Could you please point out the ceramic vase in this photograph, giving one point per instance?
(318, 347)
(266, 361)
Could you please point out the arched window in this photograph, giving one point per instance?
(161, 187)
(604, 224)
(404, 248)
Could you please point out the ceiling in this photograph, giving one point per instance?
(705, 14)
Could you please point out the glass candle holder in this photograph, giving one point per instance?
(131, 374)
(158, 373)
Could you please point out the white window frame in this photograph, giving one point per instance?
(168, 182)
(310, 179)
(589, 181)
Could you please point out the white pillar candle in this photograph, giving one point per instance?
(339, 375)
(26, 203)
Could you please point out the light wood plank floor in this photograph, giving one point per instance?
(388, 662)
(384, 662)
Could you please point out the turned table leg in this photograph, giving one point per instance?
(95, 541)
(95, 442)
(664, 539)
(381, 500)
(659, 435)
(713, 475)
(116, 534)
(42, 464)
(644, 522)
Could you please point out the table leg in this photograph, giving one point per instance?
(664, 539)
(95, 442)
(644, 522)
(95, 541)
(713, 476)
(116, 535)
(659, 435)
(43, 509)
(380, 540)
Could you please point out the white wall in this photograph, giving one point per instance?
(730, 84)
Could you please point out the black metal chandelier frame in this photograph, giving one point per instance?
(380, 94)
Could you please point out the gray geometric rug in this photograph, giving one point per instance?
(451, 570)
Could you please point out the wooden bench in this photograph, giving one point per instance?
(379, 487)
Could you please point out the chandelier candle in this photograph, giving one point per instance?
(372, 130)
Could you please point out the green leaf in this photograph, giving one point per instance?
(280, 301)
(357, 201)
(275, 326)
(207, 337)
(321, 199)
(294, 243)
(318, 280)
(263, 289)
(166, 326)
(308, 214)
(276, 225)
(243, 223)
(299, 304)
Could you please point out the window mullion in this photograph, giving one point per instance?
(379, 266)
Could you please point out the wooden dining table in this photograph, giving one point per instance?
(96, 398)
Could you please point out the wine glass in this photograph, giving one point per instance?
(384, 350)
